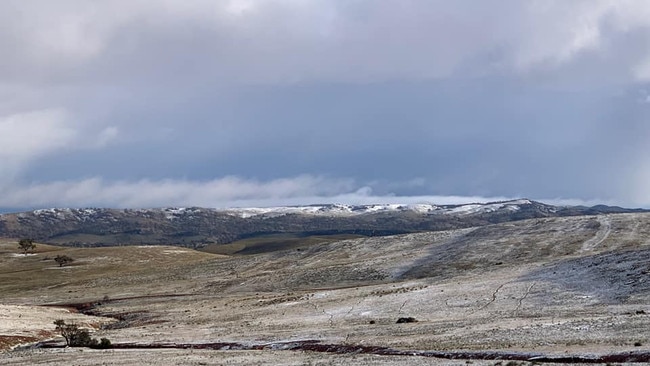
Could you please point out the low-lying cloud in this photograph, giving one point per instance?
(219, 193)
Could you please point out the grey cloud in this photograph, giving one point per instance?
(537, 99)
(292, 41)
(469, 141)
(221, 192)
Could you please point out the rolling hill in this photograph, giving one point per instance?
(565, 289)
(202, 227)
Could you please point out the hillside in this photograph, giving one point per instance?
(572, 287)
(199, 227)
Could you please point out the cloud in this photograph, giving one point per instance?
(107, 135)
(295, 41)
(407, 97)
(27, 135)
(228, 192)
(221, 192)
(637, 187)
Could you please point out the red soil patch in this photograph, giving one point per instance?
(7, 342)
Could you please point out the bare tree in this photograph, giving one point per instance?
(69, 331)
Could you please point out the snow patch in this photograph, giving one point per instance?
(174, 251)
(351, 210)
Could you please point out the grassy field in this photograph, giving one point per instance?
(33, 274)
(558, 286)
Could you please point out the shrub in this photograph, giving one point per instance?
(83, 339)
(62, 260)
(76, 337)
(104, 343)
(409, 319)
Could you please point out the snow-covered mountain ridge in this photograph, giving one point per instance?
(171, 213)
(348, 210)
(198, 227)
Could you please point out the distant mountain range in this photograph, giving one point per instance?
(198, 227)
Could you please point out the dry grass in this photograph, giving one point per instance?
(275, 242)
(25, 276)
(531, 285)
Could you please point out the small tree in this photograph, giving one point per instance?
(69, 331)
(76, 337)
(62, 260)
(26, 245)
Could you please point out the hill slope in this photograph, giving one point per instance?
(561, 286)
(198, 227)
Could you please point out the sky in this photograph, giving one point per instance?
(235, 103)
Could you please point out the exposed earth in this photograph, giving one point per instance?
(546, 289)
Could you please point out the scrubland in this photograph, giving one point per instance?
(576, 286)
